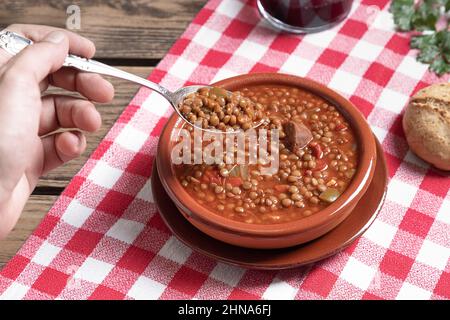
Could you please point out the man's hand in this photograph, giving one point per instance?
(29, 147)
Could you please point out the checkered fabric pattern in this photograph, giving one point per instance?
(104, 239)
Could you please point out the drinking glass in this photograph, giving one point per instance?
(303, 16)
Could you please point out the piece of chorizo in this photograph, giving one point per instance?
(297, 135)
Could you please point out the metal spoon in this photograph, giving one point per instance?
(14, 43)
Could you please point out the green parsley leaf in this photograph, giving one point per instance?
(434, 49)
(440, 66)
(426, 16)
(428, 47)
(445, 42)
(433, 46)
(403, 11)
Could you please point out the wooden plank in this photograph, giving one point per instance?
(35, 209)
(124, 92)
(120, 29)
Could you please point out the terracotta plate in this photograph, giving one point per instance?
(334, 241)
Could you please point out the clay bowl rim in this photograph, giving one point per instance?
(357, 187)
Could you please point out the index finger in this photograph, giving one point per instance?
(77, 44)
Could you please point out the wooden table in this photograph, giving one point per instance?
(133, 35)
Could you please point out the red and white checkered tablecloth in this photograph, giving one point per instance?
(104, 238)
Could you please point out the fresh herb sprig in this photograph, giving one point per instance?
(431, 19)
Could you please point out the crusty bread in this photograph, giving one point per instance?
(427, 125)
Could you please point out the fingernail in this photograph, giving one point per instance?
(79, 136)
(55, 37)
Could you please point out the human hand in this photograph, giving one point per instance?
(29, 147)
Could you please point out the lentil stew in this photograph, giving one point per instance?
(318, 157)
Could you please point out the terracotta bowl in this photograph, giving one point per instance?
(280, 235)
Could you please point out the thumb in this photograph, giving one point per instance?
(41, 58)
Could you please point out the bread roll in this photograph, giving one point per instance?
(427, 125)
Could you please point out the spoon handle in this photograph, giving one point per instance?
(89, 65)
(14, 43)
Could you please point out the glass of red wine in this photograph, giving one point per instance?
(301, 16)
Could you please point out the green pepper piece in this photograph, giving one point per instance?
(350, 173)
(243, 170)
(234, 172)
(219, 92)
(330, 195)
